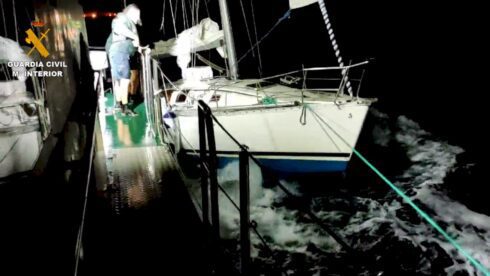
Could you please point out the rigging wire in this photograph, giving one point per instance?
(15, 21)
(173, 16)
(162, 25)
(284, 17)
(195, 11)
(198, 6)
(207, 7)
(246, 26)
(192, 6)
(256, 37)
(3, 17)
(194, 21)
(185, 20)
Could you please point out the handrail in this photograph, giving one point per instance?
(88, 180)
(148, 89)
(311, 69)
(78, 246)
(209, 172)
(304, 71)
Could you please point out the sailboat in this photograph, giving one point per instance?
(289, 129)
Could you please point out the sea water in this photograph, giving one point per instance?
(370, 217)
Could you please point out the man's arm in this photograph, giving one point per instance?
(120, 28)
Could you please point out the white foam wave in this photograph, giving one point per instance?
(431, 161)
(279, 225)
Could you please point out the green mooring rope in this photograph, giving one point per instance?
(423, 214)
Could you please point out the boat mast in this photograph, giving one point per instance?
(229, 42)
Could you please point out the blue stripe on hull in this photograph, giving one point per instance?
(294, 166)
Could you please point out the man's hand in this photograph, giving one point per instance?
(136, 43)
(144, 49)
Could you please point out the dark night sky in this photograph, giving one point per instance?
(427, 53)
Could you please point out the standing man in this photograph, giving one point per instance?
(123, 43)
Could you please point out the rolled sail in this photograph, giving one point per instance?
(204, 36)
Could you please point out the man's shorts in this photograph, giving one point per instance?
(119, 65)
(134, 62)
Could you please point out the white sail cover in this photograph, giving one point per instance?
(11, 51)
(204, 36)
(296, 4)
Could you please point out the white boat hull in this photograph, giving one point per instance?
(275, 135)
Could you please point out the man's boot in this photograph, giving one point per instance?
(127, 111)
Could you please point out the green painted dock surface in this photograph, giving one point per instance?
(126, 132)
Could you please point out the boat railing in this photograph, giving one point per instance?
(326, 79)
(88, 181)
(210, 189)
(315, 79)
(151, 77)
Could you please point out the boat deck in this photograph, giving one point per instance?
(142, 221)
(259, 89)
